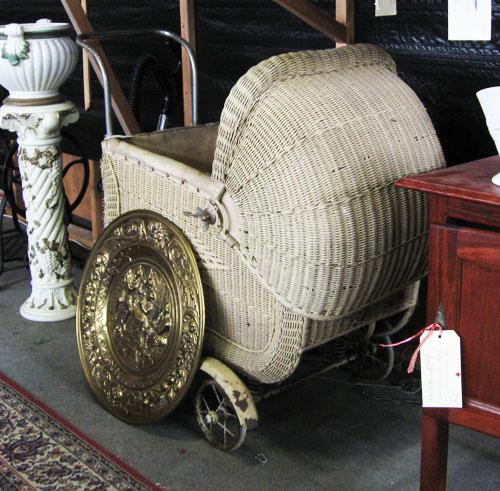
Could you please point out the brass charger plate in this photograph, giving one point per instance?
(140, 317)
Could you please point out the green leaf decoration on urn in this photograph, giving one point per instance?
(16, 48)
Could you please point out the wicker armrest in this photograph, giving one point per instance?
(192, 178)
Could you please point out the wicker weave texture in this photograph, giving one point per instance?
(246, 327)
(309, 147)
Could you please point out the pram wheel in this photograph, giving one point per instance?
(217, 417)
(375, 363)
(225, 409)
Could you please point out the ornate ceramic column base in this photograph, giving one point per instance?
(53, 295)
(50, 302)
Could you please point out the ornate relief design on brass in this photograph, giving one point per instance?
(140, 308)
(140, 319)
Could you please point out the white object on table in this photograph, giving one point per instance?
(490, 103)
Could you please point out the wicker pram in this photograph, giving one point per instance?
(288, 203)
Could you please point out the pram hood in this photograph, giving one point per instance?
(309, 147)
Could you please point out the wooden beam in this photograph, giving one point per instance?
(87, 94)
(96, 201)
(344, 12)
(120, 104)
(188, 32)
(316, 17)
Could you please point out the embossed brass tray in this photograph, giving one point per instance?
(140, 317)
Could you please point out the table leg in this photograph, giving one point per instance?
(434, 454)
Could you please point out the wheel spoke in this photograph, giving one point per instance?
(220, 404)
(223, 426)
(217, 395)
(206, 404)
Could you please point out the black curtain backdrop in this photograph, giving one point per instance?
(233, 35)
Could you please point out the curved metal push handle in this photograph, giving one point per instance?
(82, 39)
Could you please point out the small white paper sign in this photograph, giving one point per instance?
(441, 370)
(385, 7)
(469, 20)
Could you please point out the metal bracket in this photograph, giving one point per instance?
(207, 216)
(440, 316)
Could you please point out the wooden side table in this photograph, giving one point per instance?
(464, 275)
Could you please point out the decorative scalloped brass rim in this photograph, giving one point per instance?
(142, 257)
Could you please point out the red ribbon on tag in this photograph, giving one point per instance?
(432, 328)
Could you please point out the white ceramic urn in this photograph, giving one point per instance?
(36, 59)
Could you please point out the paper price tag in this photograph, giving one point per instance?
(469, 20)
(385, 7)
(441, 370)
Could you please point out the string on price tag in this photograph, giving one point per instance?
(431, 329)
(440, 366)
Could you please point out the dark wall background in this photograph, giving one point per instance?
(233, 35)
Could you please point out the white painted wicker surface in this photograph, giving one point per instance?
(248, 326)
(309, 146)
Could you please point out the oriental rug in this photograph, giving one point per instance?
(39, 450)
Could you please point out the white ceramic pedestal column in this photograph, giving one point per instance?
(53, 295)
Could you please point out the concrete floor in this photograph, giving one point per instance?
(324, 434)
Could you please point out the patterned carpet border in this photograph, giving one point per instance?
(41, 450)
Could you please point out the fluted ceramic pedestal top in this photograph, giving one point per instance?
(36, 59)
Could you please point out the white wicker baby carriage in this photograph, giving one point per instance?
(297, 231)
